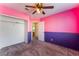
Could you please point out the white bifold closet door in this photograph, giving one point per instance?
(12, 31)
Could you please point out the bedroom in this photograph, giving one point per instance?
(58, 27)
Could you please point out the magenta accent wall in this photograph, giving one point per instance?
(67, 21)
(76, 13)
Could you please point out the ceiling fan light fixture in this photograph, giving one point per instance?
(38, 10)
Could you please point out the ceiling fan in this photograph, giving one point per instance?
(38, 8)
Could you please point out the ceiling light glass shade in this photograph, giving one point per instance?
(38, 11)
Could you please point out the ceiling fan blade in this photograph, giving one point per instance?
(43, 12)
(48, 7)
(26, 8)
(37, 4)
(30, 6)
(34, 12)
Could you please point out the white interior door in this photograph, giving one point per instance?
(12, 31)
(41, 31)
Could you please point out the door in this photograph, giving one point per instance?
(35, 30)
(38, 31)
(41, 31)
(12, 31)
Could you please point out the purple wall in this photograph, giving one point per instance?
(69, 40)
(63, 28)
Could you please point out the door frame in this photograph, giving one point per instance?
(43, 30)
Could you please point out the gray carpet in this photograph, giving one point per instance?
(37, 48)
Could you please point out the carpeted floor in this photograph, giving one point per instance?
(37, 48)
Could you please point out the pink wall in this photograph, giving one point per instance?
(12, 12)
(67, 21)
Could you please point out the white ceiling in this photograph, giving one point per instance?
(58, 7)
